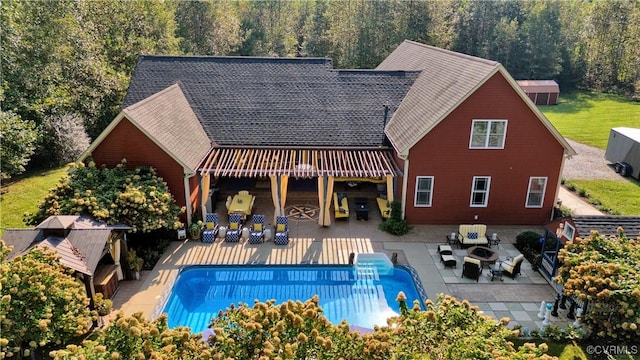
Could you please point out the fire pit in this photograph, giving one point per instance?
(484, 254)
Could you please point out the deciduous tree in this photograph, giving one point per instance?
(138, 198)
(604, 271)
(17, 143)
(41, 302)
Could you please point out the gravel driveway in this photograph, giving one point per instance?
(589, 163)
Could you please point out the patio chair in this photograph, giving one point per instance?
(511, 266)
(256, 236)
(243, 192)
(282, 231)
(233, 231)
(210, 228)
(471, 268)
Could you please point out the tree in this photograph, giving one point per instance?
(138, 198)
(41, 302)
(452, 329)
(447, 329)
(603, 271)
(208, 27)
(135, 337)
(17, 143)
(66, 139)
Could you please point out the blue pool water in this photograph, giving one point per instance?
(362, 296)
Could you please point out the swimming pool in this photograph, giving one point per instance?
(361, 295)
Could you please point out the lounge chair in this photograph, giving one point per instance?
(511, 266)
(282, 231)
(210, 228)
(341, 205)
(471, 268)
(233, 231)
(256, 235)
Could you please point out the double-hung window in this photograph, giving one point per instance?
(480, 191)
(488, 134)
(424, 191)
(535, 194)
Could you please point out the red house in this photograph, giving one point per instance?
(453, 137)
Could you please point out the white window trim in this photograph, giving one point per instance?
(415, 195)
(569, 231)
(473, 189)
(544, 191)
(486, 140)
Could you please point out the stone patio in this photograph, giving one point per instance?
(519, 298)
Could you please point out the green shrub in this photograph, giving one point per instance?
(395, 224)
(572, 352)
(583, 193)
(570, 186)
(138, 198)
(529, 239)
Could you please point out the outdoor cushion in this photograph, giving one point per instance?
(257, 227)
(472, 235)
(281, 228)
(233, 226)
(211, 226)
(472, 260)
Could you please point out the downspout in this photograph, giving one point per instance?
(405, 180)
(187, 197)
(558, 184)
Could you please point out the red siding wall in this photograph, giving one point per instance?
(530, 150)
(126, 141)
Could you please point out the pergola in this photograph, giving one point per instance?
(278, 164)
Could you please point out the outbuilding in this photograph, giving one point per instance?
(541, 92)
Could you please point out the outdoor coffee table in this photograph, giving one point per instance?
(495, 270)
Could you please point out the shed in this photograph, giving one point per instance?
(541, 92)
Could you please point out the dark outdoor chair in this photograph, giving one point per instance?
(256, 236)
(282, 231)
(233, 232)
(210, 228)
(471, 268)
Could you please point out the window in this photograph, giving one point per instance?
(488, 134)
(569, 231)
(480, 191)
(424, 191)
(535, 195)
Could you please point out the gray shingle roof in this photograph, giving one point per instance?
(607, 225)
(168, 119)
(277, 101)
(447, 78)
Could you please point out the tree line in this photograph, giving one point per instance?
(67, 64)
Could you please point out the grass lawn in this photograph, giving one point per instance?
(623, 197)
(23, 195)
(588, 117)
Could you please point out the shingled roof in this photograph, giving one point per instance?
(167, 119)
(607, 225)
(447, 78)
(81, 248)
(253, 101)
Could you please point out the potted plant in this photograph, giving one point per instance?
(195, 229)
(135, 263)
(103, 307)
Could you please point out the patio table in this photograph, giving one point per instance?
(241, 204)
